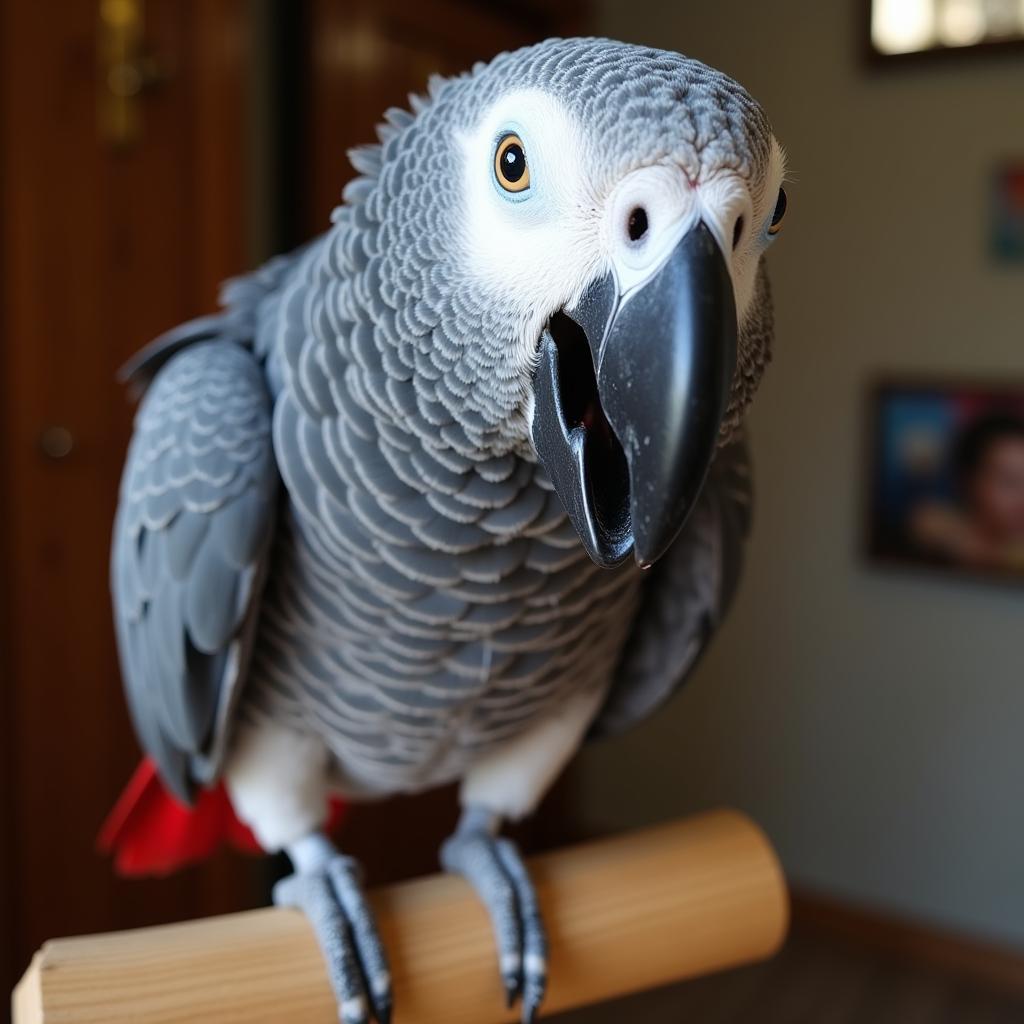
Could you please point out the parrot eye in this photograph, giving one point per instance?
(510, 166)
(779, 215)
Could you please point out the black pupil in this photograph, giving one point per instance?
(637, 223)
(780, 208)
(513, 162)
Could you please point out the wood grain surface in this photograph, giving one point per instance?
(624, 914)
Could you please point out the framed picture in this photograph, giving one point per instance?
(946, 476)
(1008, 212)
(898, 31)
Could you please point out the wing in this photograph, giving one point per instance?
(193, 526)
(685, 598)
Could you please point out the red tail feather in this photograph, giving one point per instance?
(150, 833)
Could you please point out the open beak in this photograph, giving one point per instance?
(630, 391)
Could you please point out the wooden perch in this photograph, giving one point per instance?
(623, 914)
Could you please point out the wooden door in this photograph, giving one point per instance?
(103, 245)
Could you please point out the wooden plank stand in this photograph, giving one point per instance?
(623, 914)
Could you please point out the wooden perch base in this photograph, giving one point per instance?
(623, 914)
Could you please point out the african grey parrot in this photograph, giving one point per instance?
(376, 519)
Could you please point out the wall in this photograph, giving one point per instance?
(873, 721)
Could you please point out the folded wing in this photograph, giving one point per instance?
(190, 545)
(685, 597)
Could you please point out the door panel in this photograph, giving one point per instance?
(103, 247)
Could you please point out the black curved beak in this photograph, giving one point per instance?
(629, 392)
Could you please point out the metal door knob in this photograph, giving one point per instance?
(56, 442)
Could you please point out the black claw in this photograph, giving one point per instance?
(493, 867)
(513, 989)
(344, 928)
(380, 1006)
(533, 996)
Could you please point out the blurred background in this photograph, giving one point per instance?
(870, 716)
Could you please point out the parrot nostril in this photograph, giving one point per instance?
(737, 231)
(637, 223)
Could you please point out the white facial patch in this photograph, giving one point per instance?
(669, 207)
(672, 205)
(727, 208)
(534, 250)
(727, 199)
(757, 211)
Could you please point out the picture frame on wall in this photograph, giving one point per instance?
(901, 31)
(945, 476)
(1007, 232)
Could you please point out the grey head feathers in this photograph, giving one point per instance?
(633, 106)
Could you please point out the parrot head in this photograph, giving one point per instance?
(581, 228)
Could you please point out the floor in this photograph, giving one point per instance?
(814, 980)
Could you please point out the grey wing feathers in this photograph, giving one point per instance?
(196, 512)
(685, 598)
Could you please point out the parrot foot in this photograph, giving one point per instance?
(327, 888)
(494, 868)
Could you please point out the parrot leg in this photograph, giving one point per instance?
(326, 887)
(493, 866)
(277, 782)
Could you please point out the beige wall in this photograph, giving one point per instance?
(872, 721)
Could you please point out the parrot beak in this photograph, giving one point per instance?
(629, 395)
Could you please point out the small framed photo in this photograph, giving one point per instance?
(1008, 212)
(918, 30)
(946, 476)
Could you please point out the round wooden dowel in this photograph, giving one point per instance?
(624, 914)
